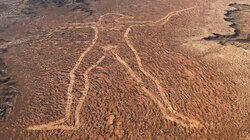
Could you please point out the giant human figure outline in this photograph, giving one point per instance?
(96, 26)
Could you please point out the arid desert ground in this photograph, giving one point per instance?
(124, 69)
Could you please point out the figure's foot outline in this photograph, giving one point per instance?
(50, 126)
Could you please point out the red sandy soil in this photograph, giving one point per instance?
(149, 81)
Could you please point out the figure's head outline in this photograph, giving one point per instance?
(121, 16)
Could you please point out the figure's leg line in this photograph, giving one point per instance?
(69, 98)
(72, 81)
(194, 123)
(138, 79)
(52, 125)
(145, 72)
(84, 93)
(152, 96)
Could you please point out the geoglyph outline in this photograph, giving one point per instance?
(192, 123)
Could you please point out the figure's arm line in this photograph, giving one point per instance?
(161, 21)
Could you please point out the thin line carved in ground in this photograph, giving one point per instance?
(164, 106)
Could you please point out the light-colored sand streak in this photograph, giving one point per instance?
(84, 93)
(158, 102)
(53, 125)
(161, 21)
(174, 116)
(190, 122)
